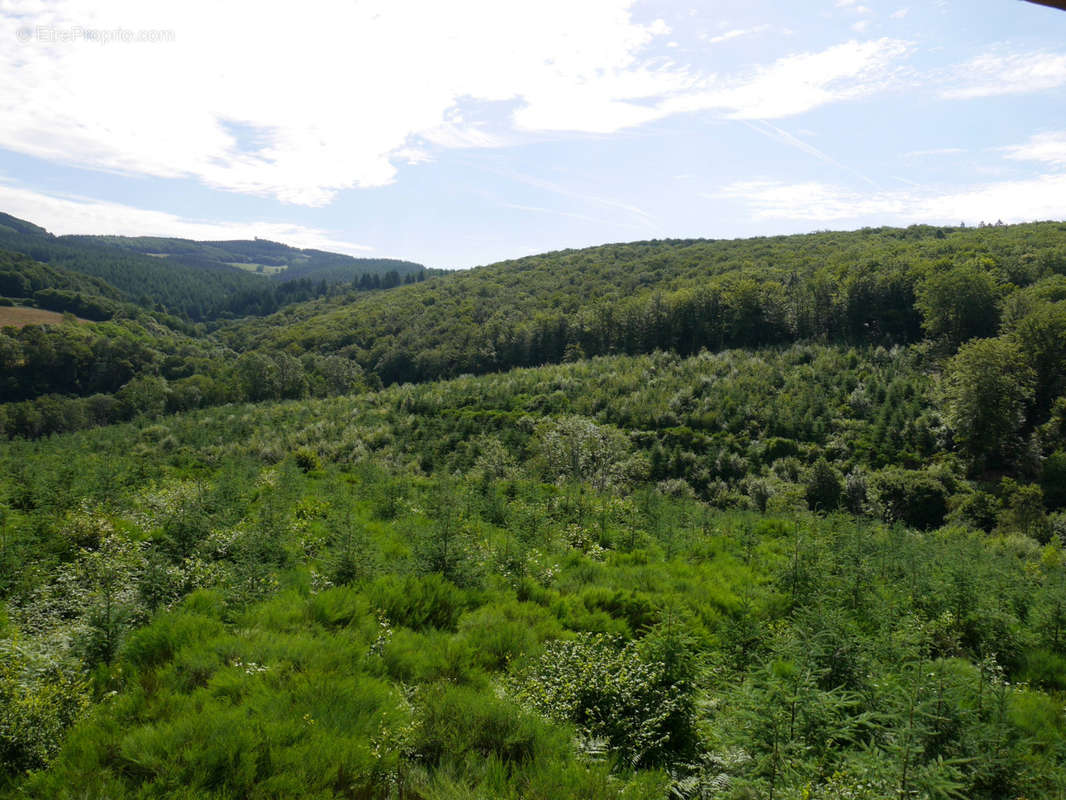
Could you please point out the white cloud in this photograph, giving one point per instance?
(736, 33)
(69, 214)
(1012, 201)
(1000, 73)
(798, 83)
(1047, 147)
(899, 13)
(768, 199)
(301, 101)
(860, 26)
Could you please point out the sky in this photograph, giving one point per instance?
(465, 132)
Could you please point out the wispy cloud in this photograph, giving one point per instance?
(1000, 73)
(936, 151)
(772, 131)
(566, 191)
(555, 211)
(809, 200)
(736, 33)
(802, 82)
(1049, 148)
(1012, 201)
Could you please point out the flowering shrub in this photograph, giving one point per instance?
(611, 692)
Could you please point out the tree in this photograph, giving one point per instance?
(913, 497)
(824, 487)
(958, 304)
(145, 395)
(987, 387)
(579, 449)
(258, 377)
(1053, 479)
(1042, 338)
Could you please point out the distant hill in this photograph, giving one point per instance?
(203, 281)
(261, 256)
(10, 224)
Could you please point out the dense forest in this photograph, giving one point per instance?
(875, 286)
(769, 518)
(203, 281)
(279, 260)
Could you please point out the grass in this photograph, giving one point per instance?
(20, 317)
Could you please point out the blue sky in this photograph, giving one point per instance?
(464, 132)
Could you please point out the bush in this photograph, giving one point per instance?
(306, 460)
(418, 602)
(35, 711)
(455, 722)
(824, 487)
(612, 693)
(910, 496)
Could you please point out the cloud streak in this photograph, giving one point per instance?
(1012, 201)
(1004, 73)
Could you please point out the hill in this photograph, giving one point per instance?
(647, 576)
(198, 281)
(872, 286)
(767, 517)
(273, 259)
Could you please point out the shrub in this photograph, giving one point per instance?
(910, 496)
(35, 711)
(306, 459)
(824, 487)
(418, 602)
(611, 692)
(455, 721)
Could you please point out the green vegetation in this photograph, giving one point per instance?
(781, 519)
(287, 263)
(879, 286)
(196, 280)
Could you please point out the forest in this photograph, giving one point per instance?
(767, 518)
(201, 281)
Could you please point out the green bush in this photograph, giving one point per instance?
(36, 708)
(913, 497)
(157, 643)
(456, 722)
(418, 601)
(612, 693)
(500, 633)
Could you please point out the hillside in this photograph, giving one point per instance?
(771, 517)
(265, 257)
(21, 316)
(198, 281)
(721, 576)
(865, 287)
